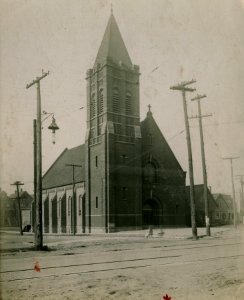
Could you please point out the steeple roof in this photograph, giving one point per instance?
(112, 45)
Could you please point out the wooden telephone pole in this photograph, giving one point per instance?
(233, 187)
(183, 88)
(241, 197)
(34, 163)
(205, 181)
(73, 196)
(38, 229)
(17, 184)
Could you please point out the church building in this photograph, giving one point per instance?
(125, 176)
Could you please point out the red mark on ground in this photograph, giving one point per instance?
(166, 297)
(37, 267)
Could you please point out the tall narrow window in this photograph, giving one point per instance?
(117, 128)
(176, 208)
(116, 100)
(150, 173)
(124, 193)
(59, 206)
(96, 161)
(128, 104)
(69, 205)
(80, 205)
(93, 106)
(130, 131)
(96, 202)
(100, 102)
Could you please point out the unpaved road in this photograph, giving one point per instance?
(129, 268)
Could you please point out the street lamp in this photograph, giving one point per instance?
(38, 161)
(53, 126)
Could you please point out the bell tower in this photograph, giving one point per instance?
(113, 138)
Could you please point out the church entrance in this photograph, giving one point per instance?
(151, 213)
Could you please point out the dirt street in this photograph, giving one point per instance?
(126, 267)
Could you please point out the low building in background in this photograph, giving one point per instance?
(224, 212)
(10, 209)
(200, 205)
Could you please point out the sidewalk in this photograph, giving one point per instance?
(12, 241)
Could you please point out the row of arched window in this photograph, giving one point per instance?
(69, 205)
(93, 104)
(116, 103)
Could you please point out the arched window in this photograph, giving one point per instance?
(93, 106)
(100, 101)
(80, 205)
(59, 206)
(150, 173)
(69, 205)
(128, 104)
(116, 100)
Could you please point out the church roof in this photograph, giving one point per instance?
(199, 196)
(112, 45)
(59, 174)
(160, 146)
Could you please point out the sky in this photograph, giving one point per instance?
(171, 40)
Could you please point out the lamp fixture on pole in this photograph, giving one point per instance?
(53, 126)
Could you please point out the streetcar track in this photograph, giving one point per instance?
(115, 261)
(122, 268)
(90, 264)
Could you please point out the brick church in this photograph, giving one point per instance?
(125, 176)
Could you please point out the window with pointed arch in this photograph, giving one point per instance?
(116, 100)
(100, 101)
(150, 173)
(69, 205)
(128, 104)
(93, 106)
(80, 204)
(59, 206)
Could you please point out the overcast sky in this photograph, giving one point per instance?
(171, 41)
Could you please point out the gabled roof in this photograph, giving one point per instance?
(59, 174)
(22, 195)
(112, 45)
(198, 189)
(168, 158)
(226, 198)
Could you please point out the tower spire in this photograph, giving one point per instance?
(113, 46)
(111, 8)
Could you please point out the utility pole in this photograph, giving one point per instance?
(205, 181)
(34, 156)
(233, 187)
(241, 198)
(73, 195)
(183, 88)
(17, 184)
(38, 231)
